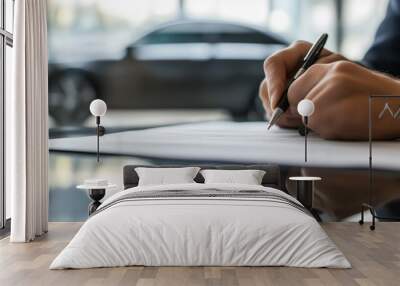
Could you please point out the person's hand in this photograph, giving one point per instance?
(339, 90)
(278, 69)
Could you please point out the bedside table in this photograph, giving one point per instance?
(305, 192)
(96, 193)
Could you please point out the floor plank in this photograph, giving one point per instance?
(375, 257)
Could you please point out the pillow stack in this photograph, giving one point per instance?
(186, 175)
(166, 176)
(246, 177)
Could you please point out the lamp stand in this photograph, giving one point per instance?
(98, 135)
(305, 137)
(100, 131)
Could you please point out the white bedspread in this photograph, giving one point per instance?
(200, 231)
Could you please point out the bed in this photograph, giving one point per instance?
(197, 224)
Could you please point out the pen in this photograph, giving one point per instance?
(310, 58)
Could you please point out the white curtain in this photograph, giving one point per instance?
(26, 124)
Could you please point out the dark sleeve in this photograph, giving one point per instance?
(384, 54)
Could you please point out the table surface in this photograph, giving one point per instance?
(305, 178)
(88, 187)
(234, 142)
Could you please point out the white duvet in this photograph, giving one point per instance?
(206, 231)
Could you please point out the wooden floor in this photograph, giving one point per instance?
(375, 257)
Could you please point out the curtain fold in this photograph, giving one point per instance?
(26, 123)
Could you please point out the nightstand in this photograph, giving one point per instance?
(96, 193)
(305, 192)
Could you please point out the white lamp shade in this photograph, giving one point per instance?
(98, 107)
(305, 107)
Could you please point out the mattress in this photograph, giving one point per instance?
(201, 225)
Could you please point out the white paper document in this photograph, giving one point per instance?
(234, 142)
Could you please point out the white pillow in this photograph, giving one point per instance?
(166, 176)
(248, 177)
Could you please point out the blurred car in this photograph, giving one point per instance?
(183, 64)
